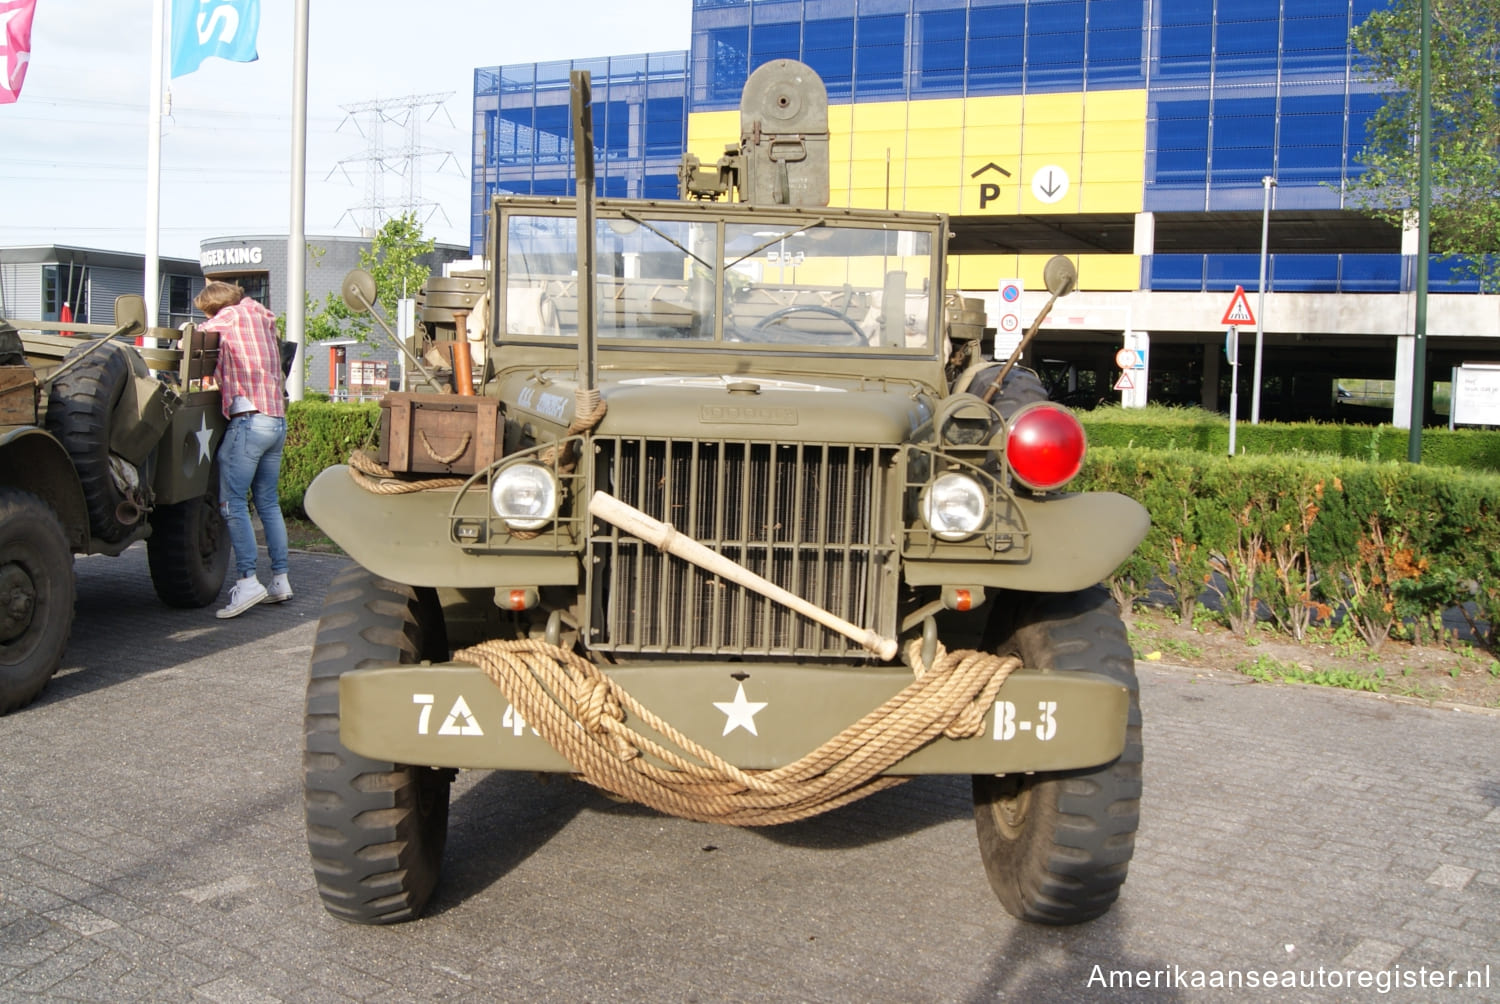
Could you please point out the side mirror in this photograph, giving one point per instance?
(358, 291)
(1059, 276)
(130, 307)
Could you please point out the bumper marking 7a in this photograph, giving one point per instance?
(460, 720)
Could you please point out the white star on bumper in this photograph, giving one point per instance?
(740, 712)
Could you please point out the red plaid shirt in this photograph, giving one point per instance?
(249, 357)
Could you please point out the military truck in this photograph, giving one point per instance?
(718, 505)
(102, 444)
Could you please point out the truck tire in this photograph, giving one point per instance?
(375, 829)
(1056, 846)
(78, 410)
(36, 596)
(1020, 387)
(188, 551)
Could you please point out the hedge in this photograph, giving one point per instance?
(1166, 428)
(319, 435)
(1389, 546)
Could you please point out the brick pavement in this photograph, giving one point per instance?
(151, 849)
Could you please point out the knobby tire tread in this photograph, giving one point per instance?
(79, 405)
(1073, 852)
(188, 551)
(375, 829)
(33, 544)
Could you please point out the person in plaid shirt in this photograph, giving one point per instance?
(251, 387)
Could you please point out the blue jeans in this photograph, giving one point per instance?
(250, 464)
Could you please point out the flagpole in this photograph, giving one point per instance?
(296, 250)
(152, 290)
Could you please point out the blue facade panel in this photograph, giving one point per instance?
(1235, 92)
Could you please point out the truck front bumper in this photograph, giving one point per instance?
(755, 716)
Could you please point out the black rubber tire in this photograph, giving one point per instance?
(1020, 387)
(1056, 847)
(375, 829)
(188, 550)
(79, 405)
(36, 597)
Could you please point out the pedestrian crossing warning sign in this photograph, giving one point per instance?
(1239, 309)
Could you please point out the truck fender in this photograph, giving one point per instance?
(31, 460)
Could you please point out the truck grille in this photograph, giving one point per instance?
(806, 517)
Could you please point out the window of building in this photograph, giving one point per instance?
(180, 299)
(1115, 44)
(880, 61)
(1185, 40)
(729, 50)
(51, 293)
(996, 48)
(1054, 46)
(940, 59)
(828, 47)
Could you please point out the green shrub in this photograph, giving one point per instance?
(1175, 428)
(320, 434)
(1390, 546)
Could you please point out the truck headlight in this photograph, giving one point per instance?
(954, 506)
(524, 496)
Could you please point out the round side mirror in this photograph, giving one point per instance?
(359, 290)
(1059, 276)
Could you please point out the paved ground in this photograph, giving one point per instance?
(151, 849)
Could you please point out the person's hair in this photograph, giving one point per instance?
(218, 295)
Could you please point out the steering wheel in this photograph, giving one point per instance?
(763, 326)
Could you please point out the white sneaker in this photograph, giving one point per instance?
(245, 594)
(280, 590)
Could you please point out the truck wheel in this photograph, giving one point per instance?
(78, 410)
(36, 597)
(188, 551)
(1057, 846)
(1019, 388)
(375, 829)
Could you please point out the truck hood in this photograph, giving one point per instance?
(737, 407)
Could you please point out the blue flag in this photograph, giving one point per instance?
(204, 28)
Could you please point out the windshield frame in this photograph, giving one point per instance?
(666, 220)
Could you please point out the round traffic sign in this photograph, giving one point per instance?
(1009, 322)
(1125, 358)
(1010, 292)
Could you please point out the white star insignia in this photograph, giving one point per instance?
(205, 436)
(740, 712)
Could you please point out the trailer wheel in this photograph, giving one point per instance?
(1056, 846)
(375, 829)
(78, 411)
(188, 550)
(36, 597)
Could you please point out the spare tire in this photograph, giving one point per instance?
(79, 406)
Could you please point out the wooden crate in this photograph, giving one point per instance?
(440, 433)
(18, 395)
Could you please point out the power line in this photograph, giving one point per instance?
(405, 161)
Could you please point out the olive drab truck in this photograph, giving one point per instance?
(102, 444)
(717, 504)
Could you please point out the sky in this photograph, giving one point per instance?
(73, 149)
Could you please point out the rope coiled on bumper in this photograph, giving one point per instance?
(582, 713)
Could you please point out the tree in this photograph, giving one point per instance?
(393, 258)
(1464, 48)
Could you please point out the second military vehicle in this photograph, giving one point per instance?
(97, 453)
(724, 512)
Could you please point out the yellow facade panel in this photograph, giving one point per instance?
(1098, 272)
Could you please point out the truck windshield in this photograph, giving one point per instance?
(810, 283)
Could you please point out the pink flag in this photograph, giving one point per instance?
(15, 46)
